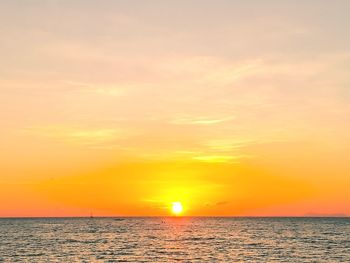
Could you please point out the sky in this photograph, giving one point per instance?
(121, 108)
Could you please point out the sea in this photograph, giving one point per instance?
(175, 239)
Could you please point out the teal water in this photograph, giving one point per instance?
(175, 240)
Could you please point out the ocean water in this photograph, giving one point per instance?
(175, 240)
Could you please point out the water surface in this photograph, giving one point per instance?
(175, 239)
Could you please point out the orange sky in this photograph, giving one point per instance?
(124, 107)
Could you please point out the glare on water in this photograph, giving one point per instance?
(175, 239)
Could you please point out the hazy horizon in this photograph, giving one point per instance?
(174, 216)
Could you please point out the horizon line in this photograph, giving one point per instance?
(170, 216)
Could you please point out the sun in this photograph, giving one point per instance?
(177, 208)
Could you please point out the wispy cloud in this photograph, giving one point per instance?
(228, 144)
(98, 88)
(228, 72)
(200, 120)
(217, 158)
(74, 134)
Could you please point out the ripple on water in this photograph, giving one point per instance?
(168, 240)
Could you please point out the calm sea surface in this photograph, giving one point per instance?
(175, 239)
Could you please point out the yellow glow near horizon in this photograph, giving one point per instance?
(177, 208)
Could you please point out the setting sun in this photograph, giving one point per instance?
(174, 130)
(177, 208)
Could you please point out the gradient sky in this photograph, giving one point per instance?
(123, 107)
